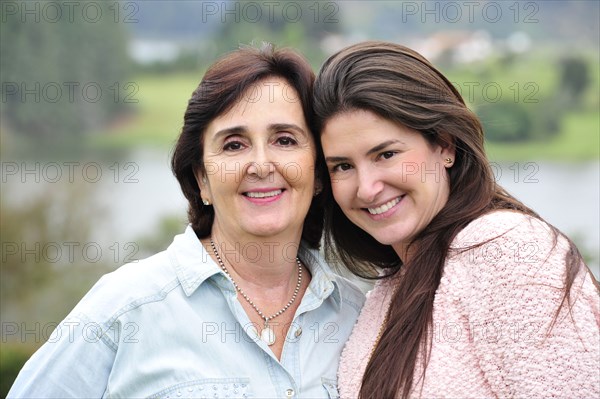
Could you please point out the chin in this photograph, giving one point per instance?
(385, 241)
(388, 238)
(265, 230)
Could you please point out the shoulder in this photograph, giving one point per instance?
(181, 268)
(506, 277)
(505, 261)
(500, 223)
(507, 248)
(509, 238)
(129, 286)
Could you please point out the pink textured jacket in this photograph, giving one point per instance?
(491, 315)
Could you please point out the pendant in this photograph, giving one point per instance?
(267, 335)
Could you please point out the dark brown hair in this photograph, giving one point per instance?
(222, 86)
(400, 85)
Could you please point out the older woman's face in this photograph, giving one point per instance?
(259, 159)
(386, 178)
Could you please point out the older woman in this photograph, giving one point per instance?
(478, 296)
(241, 304)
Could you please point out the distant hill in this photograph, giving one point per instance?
(574, 22)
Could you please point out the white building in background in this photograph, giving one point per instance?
(148, 51)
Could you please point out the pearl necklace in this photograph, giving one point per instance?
(267, 334)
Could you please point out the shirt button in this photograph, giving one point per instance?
(289, 393)
(298, 332)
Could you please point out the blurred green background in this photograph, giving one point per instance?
(93, 95)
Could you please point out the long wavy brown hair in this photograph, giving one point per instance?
(400, 85)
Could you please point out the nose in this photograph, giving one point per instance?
(369, 186)
(261, 163)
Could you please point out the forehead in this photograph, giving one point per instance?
(270, 90)
(346, 119)
(270, 100)
(362, 123)
(358, 131)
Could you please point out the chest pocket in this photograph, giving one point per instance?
(331, 388)
(209, 388)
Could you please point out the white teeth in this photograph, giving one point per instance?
(263, 195)
(385, 207)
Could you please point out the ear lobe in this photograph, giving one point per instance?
(447, 150)
(448, 155)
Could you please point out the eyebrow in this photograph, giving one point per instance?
(274, 127)
(373, 150)
(381, 146)
(230, 130)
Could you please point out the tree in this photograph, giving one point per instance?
(574, 79)
(63, 71)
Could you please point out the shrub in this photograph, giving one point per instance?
(12, 359)
(505, 121)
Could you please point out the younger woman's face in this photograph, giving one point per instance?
(387, 179)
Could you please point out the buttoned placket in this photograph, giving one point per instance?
(284, 377)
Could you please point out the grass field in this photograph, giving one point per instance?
(162, 101)
(579, 140)
(158, 116)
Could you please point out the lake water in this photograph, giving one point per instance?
(138, 192)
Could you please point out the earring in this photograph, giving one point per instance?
(448, 160)
(205, 202)
(318, 187)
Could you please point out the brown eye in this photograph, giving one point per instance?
(232, 146)
(286, 141)
(387, 154)
(341, 167)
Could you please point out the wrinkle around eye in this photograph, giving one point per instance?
(228, 147)
(291, 141)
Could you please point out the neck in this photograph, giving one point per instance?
(267, 262)
(404, 251)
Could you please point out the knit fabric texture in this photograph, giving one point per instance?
(492, 332)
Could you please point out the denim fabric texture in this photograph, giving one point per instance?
(171, 326)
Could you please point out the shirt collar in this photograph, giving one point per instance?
(324, 281)
(193, 266)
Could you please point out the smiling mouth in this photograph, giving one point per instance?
(385, 207)
(266, 194)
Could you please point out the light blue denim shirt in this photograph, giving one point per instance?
(171, 326)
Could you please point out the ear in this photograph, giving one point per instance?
(203, 184)
(447, 150)
(448, 155)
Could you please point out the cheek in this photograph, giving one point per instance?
(299, 172)
(225, 171)
(342, 192)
